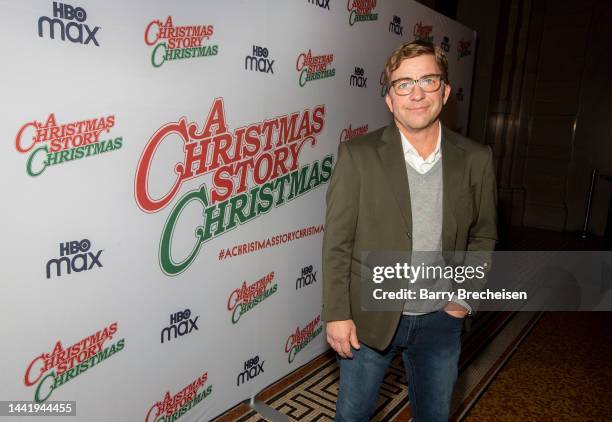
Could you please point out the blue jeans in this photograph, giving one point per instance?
(430, 346)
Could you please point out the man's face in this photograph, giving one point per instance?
(419, 109)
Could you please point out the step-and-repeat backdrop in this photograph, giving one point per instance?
(164, 166)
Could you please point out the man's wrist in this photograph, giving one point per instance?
(455, 308)
(463, 304)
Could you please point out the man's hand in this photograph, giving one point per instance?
(455, 310)
(341, 335)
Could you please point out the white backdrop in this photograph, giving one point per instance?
(81, 118)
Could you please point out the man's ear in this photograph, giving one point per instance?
(447, 91)
(389, 102)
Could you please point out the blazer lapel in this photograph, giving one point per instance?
(391, 154)
(453, 173)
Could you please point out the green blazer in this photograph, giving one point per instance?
(368, 209)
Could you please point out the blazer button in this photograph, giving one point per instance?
(409, 235)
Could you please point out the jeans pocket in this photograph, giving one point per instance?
(449, 316)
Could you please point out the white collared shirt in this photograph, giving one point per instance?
(417, 162)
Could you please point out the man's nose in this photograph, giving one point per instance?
(417, 93)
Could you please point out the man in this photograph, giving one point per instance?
(412, 186)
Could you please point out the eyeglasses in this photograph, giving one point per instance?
(429, 83)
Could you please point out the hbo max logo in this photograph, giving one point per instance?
(307, 277)
(74, 256)
(259, 60)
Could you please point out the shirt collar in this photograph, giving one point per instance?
(410, 150)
